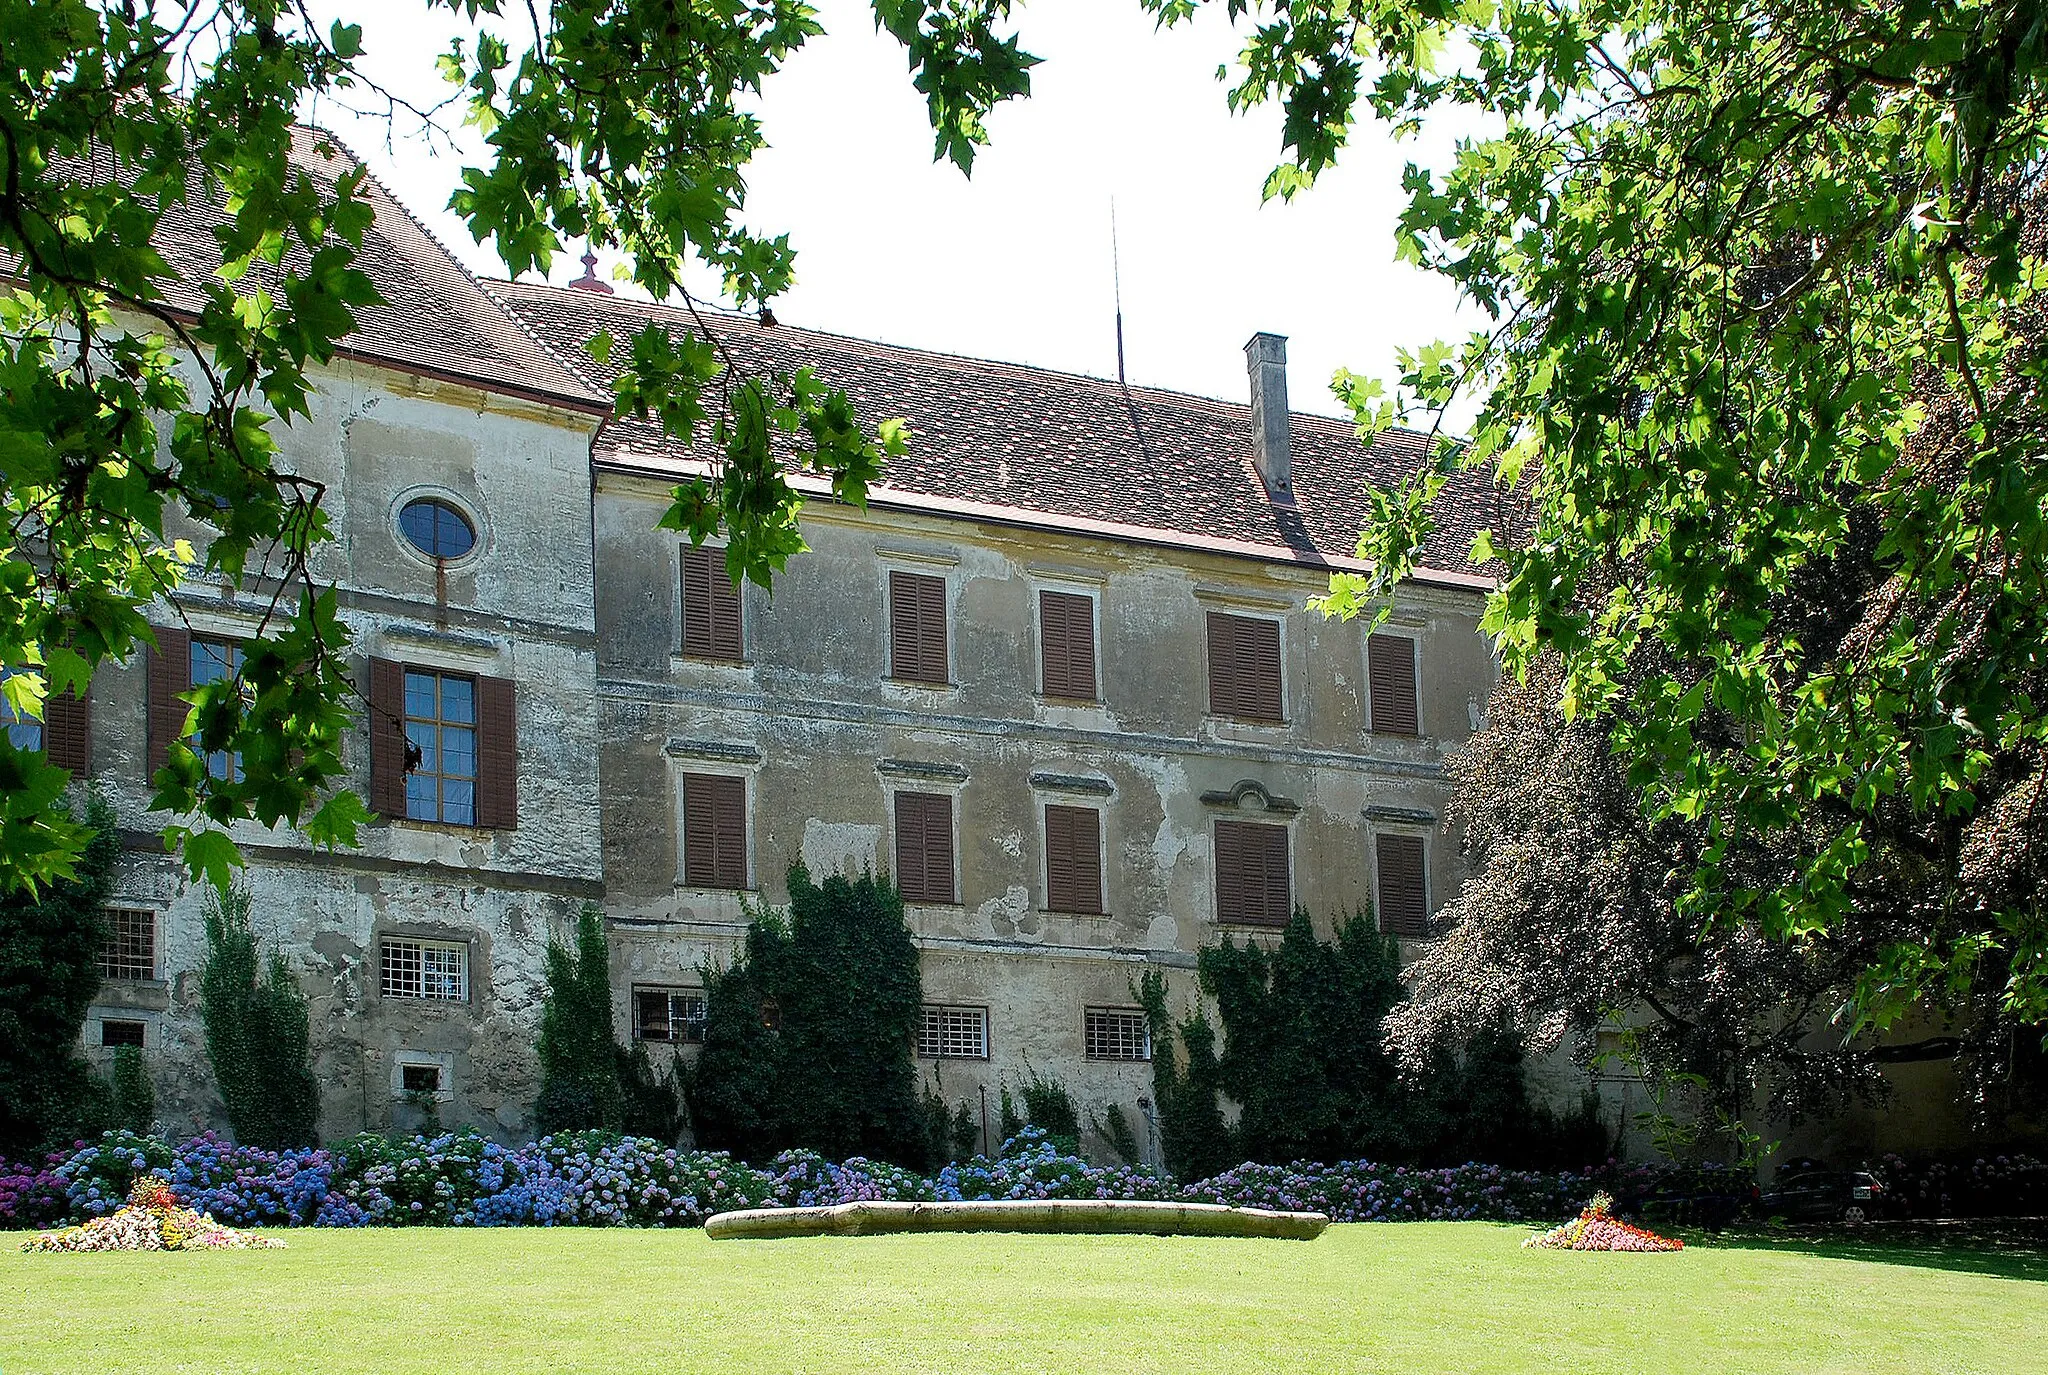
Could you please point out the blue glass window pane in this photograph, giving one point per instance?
(419, 798)
(419, 695)
(23, 732)
(422, 737)
(458, 700)
(436, 529)
(458, 752)
(458, 802)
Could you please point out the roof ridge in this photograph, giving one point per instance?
(917, 352)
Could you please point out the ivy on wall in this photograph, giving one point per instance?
(808, 1034)
(258, 1039)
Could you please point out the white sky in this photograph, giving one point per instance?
(1015, 263)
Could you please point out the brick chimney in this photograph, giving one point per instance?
(1265, 358)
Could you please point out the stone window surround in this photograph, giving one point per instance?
(1092, 1013)
(1095, 588)
(930, 564)
(477, 989)
(981, 1009)
(466, 506)
(1251, 606)
(442, 1062)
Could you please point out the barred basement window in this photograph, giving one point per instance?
(953, 1033)
(121, 1033)
(669, 1014)
(437, 970)
(1116, 1033)
(419, 1078)
(129, 951)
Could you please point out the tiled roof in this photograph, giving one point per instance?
(437, 320)
(1088, 453)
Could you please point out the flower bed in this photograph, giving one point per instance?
(459, 1179)
(1597, 1229)
(151, 1220)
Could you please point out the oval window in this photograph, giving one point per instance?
(437, 529)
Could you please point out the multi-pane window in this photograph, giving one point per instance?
(1073, 859)
(1390, 679)
(669, 1014)
(953, 1033)
(1066, 641)
(121, 1033)
(1118, 1033)
(129, 950)
(924, 847)
(24, 732)
(714, 831)
(215, 661)
(1404, 885)
(917, 627)
(440, 725)
(711, 606)
(436, 970)
(437, 529)
(1253, 883)
(1244, 667)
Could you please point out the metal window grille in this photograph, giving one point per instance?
(121, 1033)
(425, 969)
(440, 723)
(1118, 1034)
(129, 951)
(667, 1014)
(953, 1033)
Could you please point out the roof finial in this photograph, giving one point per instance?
(588, 281)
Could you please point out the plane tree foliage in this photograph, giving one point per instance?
(1761, 280)
(132, 406)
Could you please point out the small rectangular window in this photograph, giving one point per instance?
(1390, 675)
(1066, 642)
(1118, 1033)
(129, 950)
(669, 1014)
(917, 628)
(714, 831)
(435, 970)
(953, 1033)
(114, 1033)
(1244, 667)
(1404, 886)
(440, 726)
(24, 732)
(215, 661)
(711, 607)
(924, 847)
(419, 1078)
(1253, 882)
(1073, 859)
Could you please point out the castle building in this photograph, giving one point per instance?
(1056, 677)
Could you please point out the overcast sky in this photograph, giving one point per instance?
(1015, 264)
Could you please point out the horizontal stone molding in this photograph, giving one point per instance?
(721, 751)
(921, 768)
(1089, 784)
(1401, 816)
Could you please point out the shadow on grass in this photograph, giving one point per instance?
(2010, 1248)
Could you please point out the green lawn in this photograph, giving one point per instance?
(1409, 1298)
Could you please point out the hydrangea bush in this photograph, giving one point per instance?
(591, 1179)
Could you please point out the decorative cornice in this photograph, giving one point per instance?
(1403, 816)
(722, 751)
(1233, 798)
(1073, 783)
(921, 768)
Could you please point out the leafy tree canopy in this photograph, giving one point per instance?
(1762, 275)
(621, 122)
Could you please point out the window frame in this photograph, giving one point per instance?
(117, 964)
(441, 503)
(743, 880)
(1421, 842)
(141, 1033)
(222, 765)
(925, 1025)
(693, 1033)
(389, 987)
(1286, 832)
(923, 897)
(710, 652)
(1052, 903)
(1125, 1015)
(1093, 598)
(440, 724)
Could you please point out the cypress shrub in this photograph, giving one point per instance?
(580, 1068)
(258, 1038)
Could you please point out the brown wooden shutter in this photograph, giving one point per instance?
(1073, 859)
(387, 737)
(1252, 874)
(170, 673)
(714, 831)
(711, 607)
(497, 754)
(1244, 667)
(1404, 895)
(1390, 671)
(917, 627)
(924, 847)
(1066, 633)
(67, 731)
(1222, 664)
